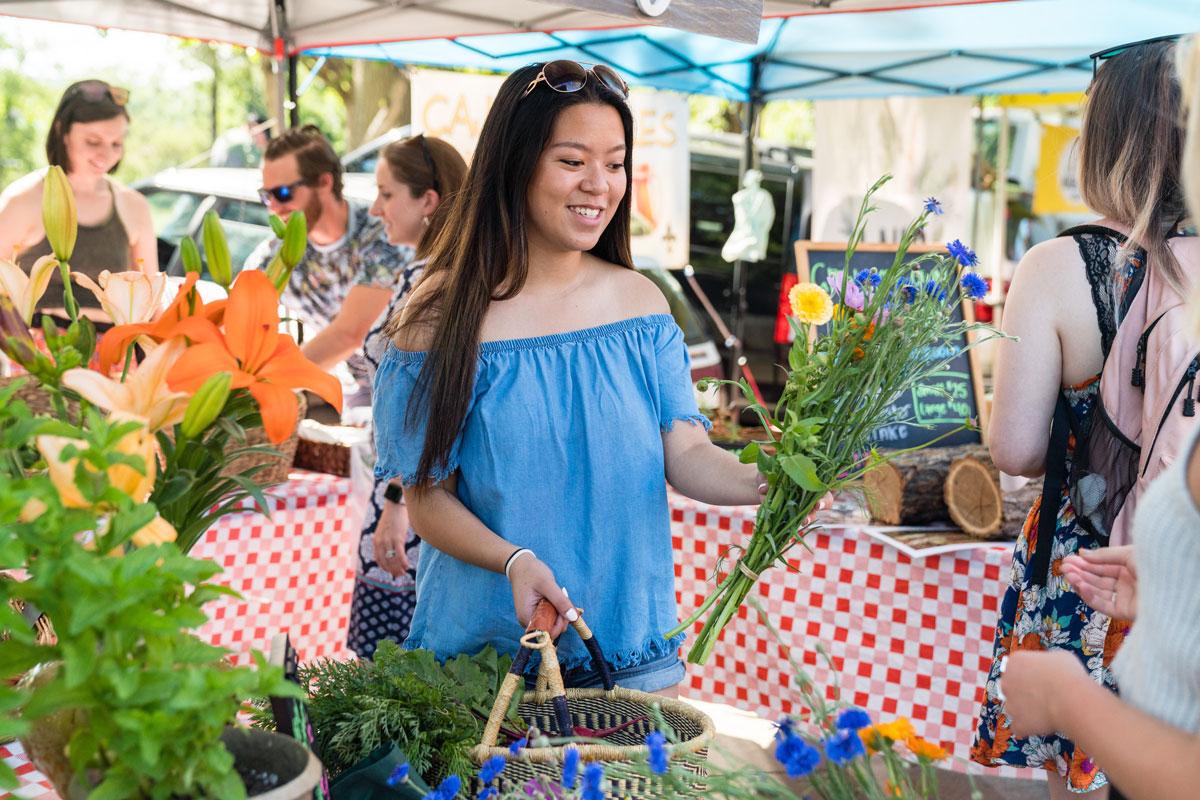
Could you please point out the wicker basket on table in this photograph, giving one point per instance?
(556, 711)
(278, 466)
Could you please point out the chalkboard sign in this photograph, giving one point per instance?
(941, 402)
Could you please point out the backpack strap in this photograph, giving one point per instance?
(1037, 570)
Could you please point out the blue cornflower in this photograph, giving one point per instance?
(851, 719)
(487, 793)
(399, 775)
(516, 747)
(905, 287)
(975, 286)
(491, 768)
(658, 752)
(593, 777)
(865, 276)
(961, 253)
(447, 789)
(932, 206)
(844, 746)
(934, 290)
(570, 768)
(803, 761)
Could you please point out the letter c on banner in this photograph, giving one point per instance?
(653, 8)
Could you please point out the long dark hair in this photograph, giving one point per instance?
(1131, 149)
(482, 254)
(83, 101)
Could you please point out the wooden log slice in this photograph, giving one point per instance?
(973, 497)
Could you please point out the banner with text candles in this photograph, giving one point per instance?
(453, 106)
(936, 406)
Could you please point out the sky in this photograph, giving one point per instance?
(57, 52)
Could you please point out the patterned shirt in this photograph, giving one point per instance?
(323, 278)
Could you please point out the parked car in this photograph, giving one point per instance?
(180, 198)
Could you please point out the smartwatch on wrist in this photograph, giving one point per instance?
(393, 494)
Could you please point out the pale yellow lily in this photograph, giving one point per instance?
(129, 298)
(137, 485)
(144, 394)
(26, 290)
(156, 531)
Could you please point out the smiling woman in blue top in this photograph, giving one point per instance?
(538, 396)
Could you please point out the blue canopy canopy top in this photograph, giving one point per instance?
(998, 47)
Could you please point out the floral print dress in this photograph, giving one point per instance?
(1043, 612)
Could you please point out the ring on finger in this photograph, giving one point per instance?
(391, 552)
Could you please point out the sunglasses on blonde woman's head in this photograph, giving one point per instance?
(571, 76)
(97, 91)
(1112, 52)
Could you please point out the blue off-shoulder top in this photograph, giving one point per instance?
(561, 452)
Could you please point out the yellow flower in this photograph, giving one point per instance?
(32, 509)
(26, 290)
(156, 531)
(129, 297)
(810, 304)
(123, 477)
(926, 749)
(877, 737)
(144, 394)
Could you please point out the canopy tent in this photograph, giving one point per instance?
(994, 47)
(287, 27)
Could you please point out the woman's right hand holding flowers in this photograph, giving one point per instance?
(532, 580)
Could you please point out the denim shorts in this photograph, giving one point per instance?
(652, 676)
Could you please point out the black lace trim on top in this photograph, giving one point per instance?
(1109, 275)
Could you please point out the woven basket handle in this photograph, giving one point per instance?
(537, 637)
(544, 617)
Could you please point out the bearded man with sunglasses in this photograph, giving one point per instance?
(349, 263)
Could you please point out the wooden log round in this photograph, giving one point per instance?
(973, 497)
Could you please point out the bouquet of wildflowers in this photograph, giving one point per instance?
(880, 333)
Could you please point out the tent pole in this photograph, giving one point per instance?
(293, 103)
(279, 62)
(749, 121)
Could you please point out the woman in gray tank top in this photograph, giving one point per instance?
(86, 139)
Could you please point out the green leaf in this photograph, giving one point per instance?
(749, 454)
(803, 472)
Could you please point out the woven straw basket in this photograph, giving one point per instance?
(555, 711)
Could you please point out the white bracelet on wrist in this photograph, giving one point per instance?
(512, 558)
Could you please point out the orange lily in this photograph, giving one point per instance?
(258, 356)
(186, 305)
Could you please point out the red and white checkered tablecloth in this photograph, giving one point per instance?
(294, 570)
(906, 637)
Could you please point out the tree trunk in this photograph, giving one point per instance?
(377, 101)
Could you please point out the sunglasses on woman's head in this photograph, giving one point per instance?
(96, 91)
(1112, 52)
(430, 163)
(571, 76)
(282, 194)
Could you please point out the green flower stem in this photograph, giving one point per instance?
(72, 307)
